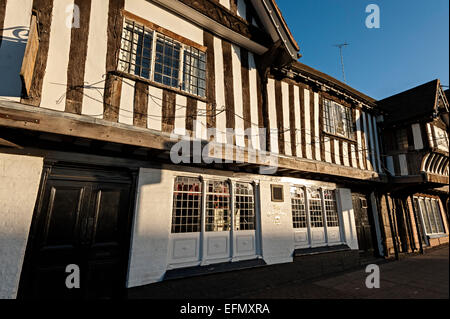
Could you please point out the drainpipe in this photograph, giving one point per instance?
(419, 233)
(393, 232)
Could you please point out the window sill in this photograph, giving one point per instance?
(159, 85)
(339, 137)
(434, 236)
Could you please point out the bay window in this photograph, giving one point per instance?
(151, 55)
(338, 119)
(430, 214)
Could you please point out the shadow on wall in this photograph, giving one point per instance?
(12, 50)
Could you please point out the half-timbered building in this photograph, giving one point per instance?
(139, 138)
(415, 137)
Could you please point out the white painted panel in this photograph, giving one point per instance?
(126, 102)
(238, 99)
(151, 228)
(220, 91)
(417, 135)
(354, 159)
(225, 3)
(318, 237)
(345, 153)
(390, 165)
(298, 122)
(359, 138)
(337, 153)
(308, 133)
(95, 69)
(333, 235)
(328, 150)
(164, 18)
(244, 243)
(241, 9)
(201, 128)
(15, 35)
(372, 142)
(403, 164)
(180, 115)
(218, 245)
(154, 111)
(272, 117)
(316, 126)
(286, 122)
(348, 225)
(19, 183)
(430, 135)
(254, 101)
(366, 139)
(301, 238)
(276, 225)
(55, 79)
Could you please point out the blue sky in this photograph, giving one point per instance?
(411, 46)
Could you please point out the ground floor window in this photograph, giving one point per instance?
(430, 213)
(321, 207)
(189, 209)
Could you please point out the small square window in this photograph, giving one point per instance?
(277, 193)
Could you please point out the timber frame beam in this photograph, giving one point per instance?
(20, 116)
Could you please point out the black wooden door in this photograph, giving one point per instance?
(82, 219)
(363, 225)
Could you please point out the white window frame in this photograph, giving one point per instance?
(429, 218)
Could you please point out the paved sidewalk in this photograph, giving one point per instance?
(418, 277)
(424, 277)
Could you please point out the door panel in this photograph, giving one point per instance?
(363, 226)
(82, 221)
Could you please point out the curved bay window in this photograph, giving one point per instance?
(187, 205)
(218, 214)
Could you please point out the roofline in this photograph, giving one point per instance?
(331, 81)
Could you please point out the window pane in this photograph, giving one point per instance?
(331, 208)
(244, 207)
(167, 61)
(187, 205)
(218, 214)
(136, 49)
(338, 119)
(437, 216)
(299, 217)
(315, 208)
(194, 71)
(424, 214)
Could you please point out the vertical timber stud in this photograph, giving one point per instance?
(246, 93)
(191, 115)
(77, 59)
(113, 84)
(208, 40)
(44, 10)
(168, 111)
(279, 111)
(229, 88)
(2, 18)
(140, 104)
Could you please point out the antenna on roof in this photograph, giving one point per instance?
(341, 46)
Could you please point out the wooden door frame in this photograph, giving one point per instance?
(49, 164)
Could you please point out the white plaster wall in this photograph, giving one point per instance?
(276, 225)
(238, 99)
(308, 133)
(19, 183)
(345, 206)
(272, 117)
(12, 49)
(417, 134)
(55, 79)
(286, 122)
(165, 19)
(96, 60)
(126, 102)
(151, 228)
